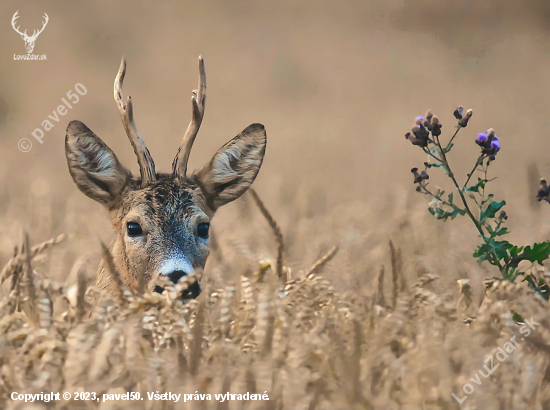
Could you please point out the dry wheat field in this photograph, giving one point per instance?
(329, 285)
(371, 324)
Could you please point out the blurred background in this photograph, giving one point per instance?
(337, 84)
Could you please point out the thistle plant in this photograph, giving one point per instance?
(472, 199)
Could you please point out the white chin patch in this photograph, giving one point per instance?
(176, 264)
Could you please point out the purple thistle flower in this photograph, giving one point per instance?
(495, 144)
(481, 138)
(489, 142)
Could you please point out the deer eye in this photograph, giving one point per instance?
(202, 230)
(134, 229)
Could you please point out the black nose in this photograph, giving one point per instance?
(191, 293)
(176, 276)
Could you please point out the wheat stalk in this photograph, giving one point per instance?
(276, 231)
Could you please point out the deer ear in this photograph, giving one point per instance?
(234, 167)
(95, 169)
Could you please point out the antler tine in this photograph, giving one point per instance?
(146, 164)
(15, 17)
(198, 103)
(43, 25)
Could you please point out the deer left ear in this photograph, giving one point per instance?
(234, 167)
(95, 169)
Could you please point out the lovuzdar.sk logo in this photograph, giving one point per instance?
(29, 40)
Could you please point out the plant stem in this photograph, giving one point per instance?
(427, 191)
(485, 169)
(466, 207)
(427, 151)
(478, 161)
(452, 138)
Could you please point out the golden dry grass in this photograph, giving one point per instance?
(406, 340)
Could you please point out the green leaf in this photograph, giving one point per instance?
(538, 253)
(490, 248)
(541, 287)
(494, 234)
(516, 317)
(491, 210)
(501, 231)
(489, 197)
(457, 211)
(501, 248)
(482, 252)
(450, 200)
(448, 147)
(476, 187)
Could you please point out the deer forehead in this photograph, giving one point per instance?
(164, 204)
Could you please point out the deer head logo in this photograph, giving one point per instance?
(29, 41)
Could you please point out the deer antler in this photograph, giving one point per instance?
(198, 100)
(15, 17)
(146, 164)
(35, 33)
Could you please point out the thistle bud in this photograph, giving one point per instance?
(544, 191)
(421, 134)
(417, 177)
(464, 121)
(428, 116)
(458, 113)
(436, 127)
(428, 120)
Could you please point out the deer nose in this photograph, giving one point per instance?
(176, 275)
(193, 291)
(176, 268)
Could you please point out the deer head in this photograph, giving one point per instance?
(161, 220)
(29, 41)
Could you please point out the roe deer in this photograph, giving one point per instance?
(161, 220)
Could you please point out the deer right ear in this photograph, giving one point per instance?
(95, 169)
(234, 167)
